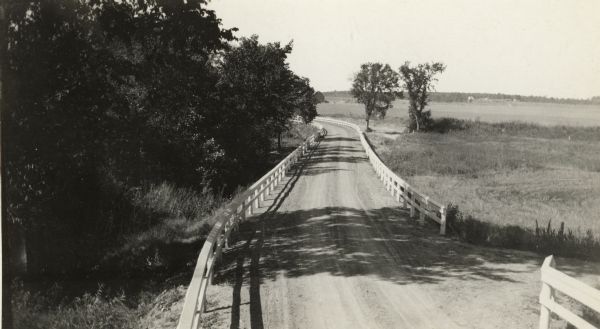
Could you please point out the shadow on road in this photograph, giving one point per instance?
(346, 241)
(382, 242)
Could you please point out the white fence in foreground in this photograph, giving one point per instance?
(554, 280)
(399, 188)
(245, 204)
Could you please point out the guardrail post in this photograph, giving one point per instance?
(243, 212)
(404, 196)
(546, 295)
(262, 194)
(250, 209)
(256, 202)
(443, 221)
(203, 307)
(412, 205)
(422, 211)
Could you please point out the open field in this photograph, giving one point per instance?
(504, 173)
(505, 180)
(543, 114)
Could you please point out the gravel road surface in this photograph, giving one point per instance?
(330, 248)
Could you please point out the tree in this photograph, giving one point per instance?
(260, 95)
(102, 95)
(418, 82)
(375, 86)
(319, 97)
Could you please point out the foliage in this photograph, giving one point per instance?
(106, 97)
(260, 95)
(34, 310)
(319, 97)
(375, 86)
(418, 82)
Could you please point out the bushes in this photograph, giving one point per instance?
(93, 311)
(544, 240)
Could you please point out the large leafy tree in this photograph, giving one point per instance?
(418, 83)
(100, 96)
(376, 86)
(319, 97)
(260, 95)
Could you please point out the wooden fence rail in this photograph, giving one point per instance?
(554, 280)
(402, 191)
(218, 238)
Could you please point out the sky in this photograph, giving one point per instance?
(527, 47)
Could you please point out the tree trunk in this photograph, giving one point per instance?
(279, 142)
(417, 121)
(368, 124)
(6, 321)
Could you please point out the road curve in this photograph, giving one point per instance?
(330, 248)
(329, 251)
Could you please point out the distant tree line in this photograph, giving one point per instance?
(102, 97)
(463, 97)
(450, 97)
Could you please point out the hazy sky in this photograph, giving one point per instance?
(530, 47)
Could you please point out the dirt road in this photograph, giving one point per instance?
(332, 249)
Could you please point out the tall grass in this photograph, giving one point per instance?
(512, 181)
(514, 128)
(173, 202)
(542, 239)
(297, 134)
(93, 311)
(476, 147)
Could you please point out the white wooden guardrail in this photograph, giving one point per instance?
(399, 188)
(228, 218)
(554, 280)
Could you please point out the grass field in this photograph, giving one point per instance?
(542, 114)
(501, 173)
